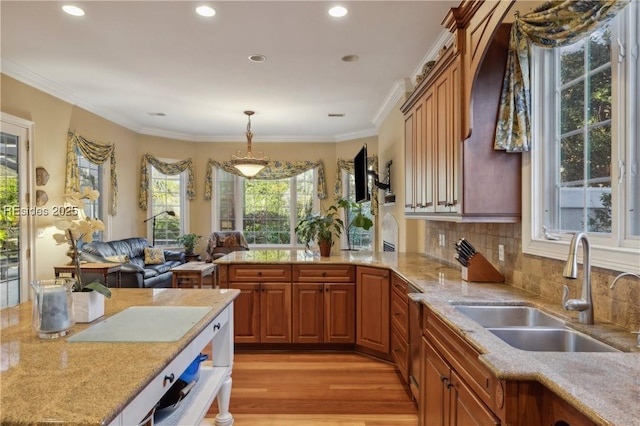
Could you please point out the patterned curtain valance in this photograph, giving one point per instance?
(168, 169)
(553, 24)
(95, 153)
(348, 166)
(274, 170)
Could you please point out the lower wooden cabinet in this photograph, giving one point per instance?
(372, 308)
(557, 412)
(323, 312)
(263, 313)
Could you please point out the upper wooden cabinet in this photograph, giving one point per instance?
(452, 171)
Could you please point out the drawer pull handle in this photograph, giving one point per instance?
(169, 379)
(216, 326)
(395, 314)
(260, 273)
(450, 385)
(444, 379)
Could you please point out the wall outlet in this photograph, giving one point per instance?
(501, 252)
(441, 240)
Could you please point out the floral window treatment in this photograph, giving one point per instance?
(553, 24)
(348, 166)
(168, 169)
(96, 153)
(273, 170)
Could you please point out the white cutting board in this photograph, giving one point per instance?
(144, 324)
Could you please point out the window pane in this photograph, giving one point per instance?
(572, 107)
(10, 229)
(165, 193)
(600, 47)
(267, 211)
(600, 96)
(91, 176)
(572, 58)
(227, 201)
(633, 182)
(360, 238)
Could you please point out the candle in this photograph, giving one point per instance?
(54, 309)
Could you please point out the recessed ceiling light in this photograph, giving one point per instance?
(257, 58)
(205, 11)
(73, 10)
(338, 11)
(350, 58)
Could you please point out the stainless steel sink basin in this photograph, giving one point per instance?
(549, 339)
(509, 316)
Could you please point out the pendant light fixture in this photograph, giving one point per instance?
(248, 164)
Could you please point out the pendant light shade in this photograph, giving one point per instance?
(248, 164)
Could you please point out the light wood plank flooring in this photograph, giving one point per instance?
(307, 389)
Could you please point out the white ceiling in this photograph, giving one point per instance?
(125, 59)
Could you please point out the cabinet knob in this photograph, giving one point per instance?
(444, 379)
(324, 274)
(449, 385)
(216, 326)
(169, 379)
(260, 273)
(327, 289)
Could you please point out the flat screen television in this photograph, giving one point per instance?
(361, 176)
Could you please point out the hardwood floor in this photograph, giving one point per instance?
(306, 389)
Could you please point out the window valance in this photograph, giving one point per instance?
(274, 170)
(348, 166)
(553, 24)
(96, 153)
(168, 169)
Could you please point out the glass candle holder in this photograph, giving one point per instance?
(52, 307)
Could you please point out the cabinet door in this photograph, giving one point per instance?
(372, 314)
(427, 162)
(246, 313)
(339, 313)
(434, 394)
(466, 408)
(409, 140)
(308, 315)
(275, 313)
(444, 122)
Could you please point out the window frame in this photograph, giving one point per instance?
(372, 231)
(104, 185)
(239, 207)
(182, 215)
(619, 251)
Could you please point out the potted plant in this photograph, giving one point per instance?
(189, 241)
(320, 227)
(88, 304)
(354, 218)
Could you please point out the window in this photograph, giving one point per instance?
(584, 163)
(168, 202)
(91, 176)
(360, 239)
(266, 211)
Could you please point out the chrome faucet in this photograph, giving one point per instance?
(613, 284)
(584, 305)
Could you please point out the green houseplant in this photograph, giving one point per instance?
(320, 227)
(189, 241)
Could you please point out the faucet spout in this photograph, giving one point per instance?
(584, 305)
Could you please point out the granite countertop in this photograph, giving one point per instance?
(603, 386)
(88, 383)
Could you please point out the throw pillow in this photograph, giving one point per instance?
(153, 256)
(119, 258)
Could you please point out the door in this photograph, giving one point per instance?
(340, 315)
(246, 313)
(372, 310)
(308, 316)
(17, 223)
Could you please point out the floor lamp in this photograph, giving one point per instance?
(169, 212)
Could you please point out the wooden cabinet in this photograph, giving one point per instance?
(456, 389)
(372, 308)
(263, 309)
(452, 169)
(400, 351)
(324, 304)
(557, 412)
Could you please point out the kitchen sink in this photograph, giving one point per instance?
(550, 339)
(509, 316)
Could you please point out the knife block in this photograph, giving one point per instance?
(480, 270)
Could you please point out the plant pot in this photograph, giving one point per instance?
(325, 248)
(87, 305)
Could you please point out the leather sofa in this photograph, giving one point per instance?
(135, 273)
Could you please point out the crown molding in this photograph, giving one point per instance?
(367, 133)
(443, 39)
(398, 90)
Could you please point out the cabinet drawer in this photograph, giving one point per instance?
(260, 273)
(400, 354)
(324, 273)
(221, 320)
(400, 315)
(400, 287)
(462, 356)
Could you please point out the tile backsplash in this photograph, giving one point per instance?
(538, 275)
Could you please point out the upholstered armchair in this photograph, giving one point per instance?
(222, 243)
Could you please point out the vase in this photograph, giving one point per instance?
(52, 307)
(325, 248)
(87, 306)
